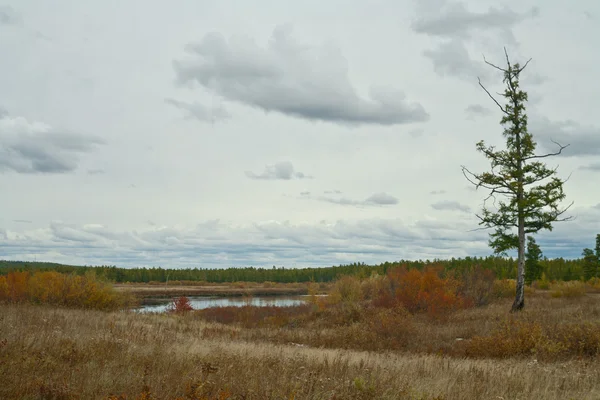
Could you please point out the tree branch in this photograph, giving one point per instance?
(561, 148)
(491, 97)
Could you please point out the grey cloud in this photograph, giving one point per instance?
(450, 205)
(95, 171)
(332, 192)
(415, 133)
(434, 192)
(32, 147)
(304, 193)
(23, 221)
(8, 16)
(283, 170)
(377, 199)
(475, 110)
(591, 167)
(200, 112)
(451, 58)
(582, 140)
(456, 21)
(292, 79)
(382, 199)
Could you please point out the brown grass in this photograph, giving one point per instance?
(176, 290)
(56, 353)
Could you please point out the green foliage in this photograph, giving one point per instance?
(502, 267)
(533, 269)
(590, 266)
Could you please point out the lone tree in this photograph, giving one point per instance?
(531, 191)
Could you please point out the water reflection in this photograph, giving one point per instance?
(199, 302)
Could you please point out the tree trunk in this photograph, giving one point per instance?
(520, 295)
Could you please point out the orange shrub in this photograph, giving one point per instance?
(421, 291)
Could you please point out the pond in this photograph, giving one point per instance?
(201, 302)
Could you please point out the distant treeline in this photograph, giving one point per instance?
(554, 269)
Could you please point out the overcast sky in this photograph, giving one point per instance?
(230, 133)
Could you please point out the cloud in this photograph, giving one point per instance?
(8, 16)
(591, 167)
(456, 26)
(297, 80)
(435, 192)
(96, 171)
(455, 21)
(34, 147)
(450, 205)
(476, 110)
(220, 244)
(200, 112)
(451, 58)
(332, 192)
(377, 199)
(381, 199)
(283, 170)
(582, 140)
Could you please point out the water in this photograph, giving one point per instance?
(199, 302)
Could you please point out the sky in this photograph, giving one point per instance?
(205, 133)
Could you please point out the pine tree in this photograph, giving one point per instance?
(590, 264)
(532, 190)
(533, 269)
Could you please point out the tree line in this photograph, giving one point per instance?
(503, 267)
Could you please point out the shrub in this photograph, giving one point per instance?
(477, 285)
(513, 339)
(421, 291)
(520, 338)
(504, 288)
(180, 305)
(69, 290)
(568, 289)
(347, 289)
(543, 283)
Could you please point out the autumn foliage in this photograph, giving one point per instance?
(425, 291)
(69, 290)
(180, 305)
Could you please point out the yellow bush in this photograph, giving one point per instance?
(70, 290)
(568, 289)
(345, 290)
(504, 288)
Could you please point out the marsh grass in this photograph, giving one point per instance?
(58, 353)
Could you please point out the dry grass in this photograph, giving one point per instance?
(236, 289)
(51, 353)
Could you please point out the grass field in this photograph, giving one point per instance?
(56, 353)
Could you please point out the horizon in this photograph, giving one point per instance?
(202, 133)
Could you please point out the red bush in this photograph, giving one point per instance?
(180, 305)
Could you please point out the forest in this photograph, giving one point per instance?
(558, 269)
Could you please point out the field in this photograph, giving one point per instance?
(436, 339)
